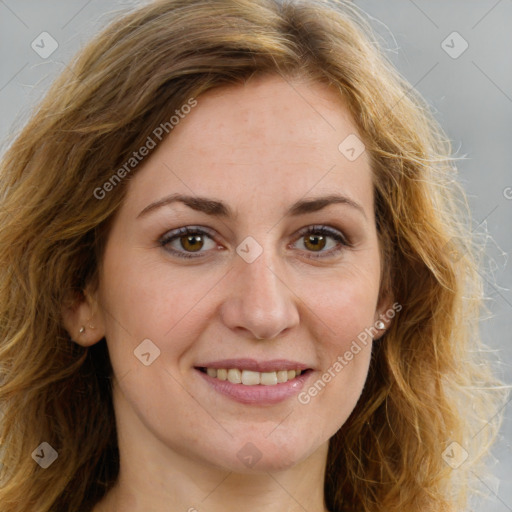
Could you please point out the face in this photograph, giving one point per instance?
(267, 279)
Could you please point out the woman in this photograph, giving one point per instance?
(237, 270)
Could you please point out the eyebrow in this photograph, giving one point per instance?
(220, 209)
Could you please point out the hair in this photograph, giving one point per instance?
(429, 383)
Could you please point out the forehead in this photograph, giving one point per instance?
(287, 138)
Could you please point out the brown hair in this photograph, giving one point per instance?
(427, 385)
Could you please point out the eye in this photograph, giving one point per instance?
(315, 239)
(189, 239)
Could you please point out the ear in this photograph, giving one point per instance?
(83, 319)
(385, 312)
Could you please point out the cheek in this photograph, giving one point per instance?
(147, 301)
(344, 304)
(144, 298)
(345, 313)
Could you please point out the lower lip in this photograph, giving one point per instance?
(258, 394)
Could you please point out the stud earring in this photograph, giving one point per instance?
(82, 330)
(380, 325)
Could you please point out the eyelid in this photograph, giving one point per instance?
(324, 229)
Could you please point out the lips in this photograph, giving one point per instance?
(255, 382)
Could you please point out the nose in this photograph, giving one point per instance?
(259, 303)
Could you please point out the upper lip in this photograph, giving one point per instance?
(272, 365)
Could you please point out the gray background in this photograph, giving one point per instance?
(471, 96)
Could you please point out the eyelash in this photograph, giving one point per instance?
(315, 229)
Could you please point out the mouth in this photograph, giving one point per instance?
(250, 382)
(252, 378)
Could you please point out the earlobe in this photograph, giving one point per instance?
(83, 321)
(380, 325)
(86, 336)
(384, 316)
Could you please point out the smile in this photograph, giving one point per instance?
(253, 382)
(251, 378)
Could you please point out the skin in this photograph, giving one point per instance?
(259, 148)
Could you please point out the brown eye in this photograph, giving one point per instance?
(316, 238)
(191, 242)
(187, 242)
(315, 242)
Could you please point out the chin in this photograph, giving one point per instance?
(261, 455)
(268, 463)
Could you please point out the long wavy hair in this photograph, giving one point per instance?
(428, 384)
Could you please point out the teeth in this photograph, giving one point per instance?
(250, 378)
(235, 376)
(282, 376)
(268, 378)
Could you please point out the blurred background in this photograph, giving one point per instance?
(457, 54)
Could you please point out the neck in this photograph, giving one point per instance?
(217, 491)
